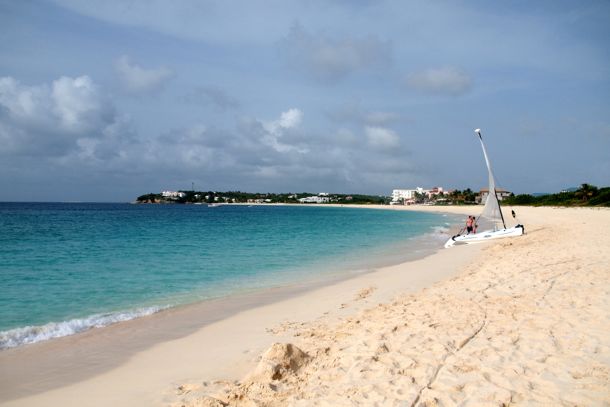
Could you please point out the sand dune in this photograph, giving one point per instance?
(527, 322)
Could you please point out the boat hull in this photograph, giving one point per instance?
(481, 237)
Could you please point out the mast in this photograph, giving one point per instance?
(492, 183)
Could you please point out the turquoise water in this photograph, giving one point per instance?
(65, 268)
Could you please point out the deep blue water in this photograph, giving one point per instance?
(66, 267)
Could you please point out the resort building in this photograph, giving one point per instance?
(501, 193)
(435, 192)
(404, 195)
(407, 196)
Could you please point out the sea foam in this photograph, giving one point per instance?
(32, 334)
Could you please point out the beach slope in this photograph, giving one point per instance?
(525, 323)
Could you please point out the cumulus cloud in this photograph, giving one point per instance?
(276, 131)
(22, 103)
(139, 80)
(50, 119)
(282, 154)
(288, 119)
(447, 80)
(67, 123)
(77, 103)
(255, 148)
(329, 59)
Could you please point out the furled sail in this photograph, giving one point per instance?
(491, 217)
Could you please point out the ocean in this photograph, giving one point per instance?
(70, 267)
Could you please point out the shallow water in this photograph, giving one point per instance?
(66, 268)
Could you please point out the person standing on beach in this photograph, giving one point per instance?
(469, 225)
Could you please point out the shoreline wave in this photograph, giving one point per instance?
(16, 337)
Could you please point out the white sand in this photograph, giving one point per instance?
(522, 321)
(527, 323)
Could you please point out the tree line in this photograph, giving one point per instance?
(585, 195)
(191, 197)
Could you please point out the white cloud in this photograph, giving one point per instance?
(289, 119)
(50, 120)
(76, 102)
(140, 80)
(67, 124)
(330, 59)
(25, 104)
(382, 138)
(276, 130)
(447, 80)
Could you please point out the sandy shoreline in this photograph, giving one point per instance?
(527, 323)
(505, 296)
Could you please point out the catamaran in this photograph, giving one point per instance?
(490, 223)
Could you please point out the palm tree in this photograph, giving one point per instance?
(586, 191)
(469, 195)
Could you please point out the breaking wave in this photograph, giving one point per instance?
(32, 334)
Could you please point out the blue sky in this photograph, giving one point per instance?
(104, 101)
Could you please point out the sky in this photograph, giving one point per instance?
(106, 101)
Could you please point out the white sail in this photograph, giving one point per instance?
(491, 217)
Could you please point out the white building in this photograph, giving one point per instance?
(172, 194)
(404, 195)
(315, 199)
(408, 195)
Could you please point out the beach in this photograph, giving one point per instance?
(522, 321)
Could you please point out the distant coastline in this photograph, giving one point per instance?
(212, 197)
(585, 195)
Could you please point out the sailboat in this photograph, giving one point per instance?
(490, 223)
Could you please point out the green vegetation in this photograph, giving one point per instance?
(457, 197)
(586, 195)
(192, 197)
